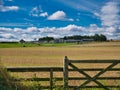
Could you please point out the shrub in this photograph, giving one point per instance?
(6, 81)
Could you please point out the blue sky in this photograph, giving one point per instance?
(30, 19)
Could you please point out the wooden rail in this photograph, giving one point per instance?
(70, 66)
(34, 69)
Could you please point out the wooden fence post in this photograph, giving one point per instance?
(65, 72)
(51, 79)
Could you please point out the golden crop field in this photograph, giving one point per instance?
(54, 56)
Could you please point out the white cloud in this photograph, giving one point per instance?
(8, 35)
(30, 33)
(111, 29)
(17, 29)
(3, 29)
(59, 15)
(73, 28)
(71, 19)
(34, 12)
(109, 14)
(94, 29)
(79, 5)
(7, 8)
(33, 32)
(110, 20)
(31, 29)
(38, 12)
(44, 14)
(96, 14)
(15, 24)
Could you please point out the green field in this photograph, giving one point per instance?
(15, 45)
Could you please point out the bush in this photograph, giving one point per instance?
(7, 82)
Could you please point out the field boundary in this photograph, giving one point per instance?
(69, 66)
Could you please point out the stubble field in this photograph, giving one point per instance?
(54, 56)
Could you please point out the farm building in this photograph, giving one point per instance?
(78, 41)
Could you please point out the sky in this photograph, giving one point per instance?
(33, 19)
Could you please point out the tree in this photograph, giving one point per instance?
(100, 37)
(22, 41)
(48, 39)
(65, 38)
(96, 37)
(103, 37)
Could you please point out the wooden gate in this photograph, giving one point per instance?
(112, 66)
(101, 67)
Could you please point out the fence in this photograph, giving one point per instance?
(70, 66)
(51, 70)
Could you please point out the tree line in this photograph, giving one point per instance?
(96, 37)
